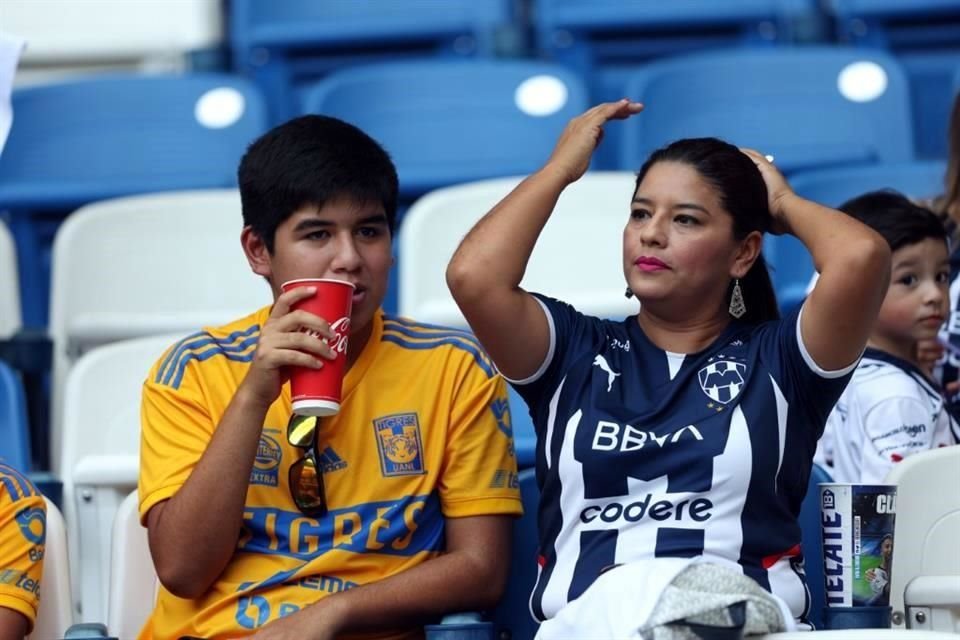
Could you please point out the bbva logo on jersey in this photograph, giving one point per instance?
(722, 380)
(400, 445)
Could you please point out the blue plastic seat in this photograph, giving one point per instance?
(14, 431)
(446, 122)
(512, 616)
(524, 437)
(599, 32)
(745, 97)
(812, 544)
(925, 36)
(606, 40)
(791, 263)
(283, 43)
(108, 136)
(833, 187)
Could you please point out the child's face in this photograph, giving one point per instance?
(917, 300)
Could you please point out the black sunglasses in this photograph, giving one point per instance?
(306, 477)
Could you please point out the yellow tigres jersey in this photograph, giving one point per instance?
(23, 518)
(423, 433)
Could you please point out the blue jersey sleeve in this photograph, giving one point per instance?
(571, 335)
(810, 390)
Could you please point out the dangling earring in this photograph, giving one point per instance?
(628, 293)
(737, 305)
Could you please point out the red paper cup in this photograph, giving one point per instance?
(316, 392)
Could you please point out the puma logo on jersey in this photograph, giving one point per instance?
(600, 361)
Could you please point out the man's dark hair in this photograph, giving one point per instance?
(892, 215)
(310, 161)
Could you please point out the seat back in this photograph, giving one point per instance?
(812, 544)
(122, 134)
(55, 614)
(927, 527)
(10, 319)
(791, 264)
(590, 213)
(840, 107)
(116, 135)
(513, 615)
(100, 456)
(133, 579)
(145, 265)
(919, 180)
(14, 429)
(611, 31)
(446, 122)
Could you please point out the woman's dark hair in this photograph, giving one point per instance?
(743, 194)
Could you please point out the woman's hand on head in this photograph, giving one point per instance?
(571, 156)
(777, 189)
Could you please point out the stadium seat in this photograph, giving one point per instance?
(14, 430)
(833, 187)
(791, 264)
(133, 580)
(840, 107)
(114, 135)
(448, 122)
(605, 40)
(146, 265)
(512, 617)
(925, 36)
(591, 213)
(812, 544)
(55, 614)
(524, 437)
(10, 319)
(100, 456)
(925, 581)
(284, 43)
(73, 35)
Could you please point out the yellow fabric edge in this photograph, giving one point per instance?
(483, 507)
(23, 606)
(161, 494)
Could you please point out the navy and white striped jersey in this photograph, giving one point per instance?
(645, 453)
(948, 369)
(890, 410)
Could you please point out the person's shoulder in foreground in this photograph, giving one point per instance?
(22, 544)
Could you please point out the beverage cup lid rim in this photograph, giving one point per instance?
(878, 485)
(295, 281)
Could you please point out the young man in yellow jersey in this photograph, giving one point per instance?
(22, 543)
(371, 522)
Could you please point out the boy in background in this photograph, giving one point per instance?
(892, 408)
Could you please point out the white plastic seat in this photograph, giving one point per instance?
(577, 259)
(10, 318)
(145, 265)
(100, 456)
(925, 581)
(55, 614)
(133, 580)
(68, 33)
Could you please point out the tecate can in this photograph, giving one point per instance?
(857, 526)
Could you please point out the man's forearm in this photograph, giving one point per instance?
(449, 583)
(206, 513)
